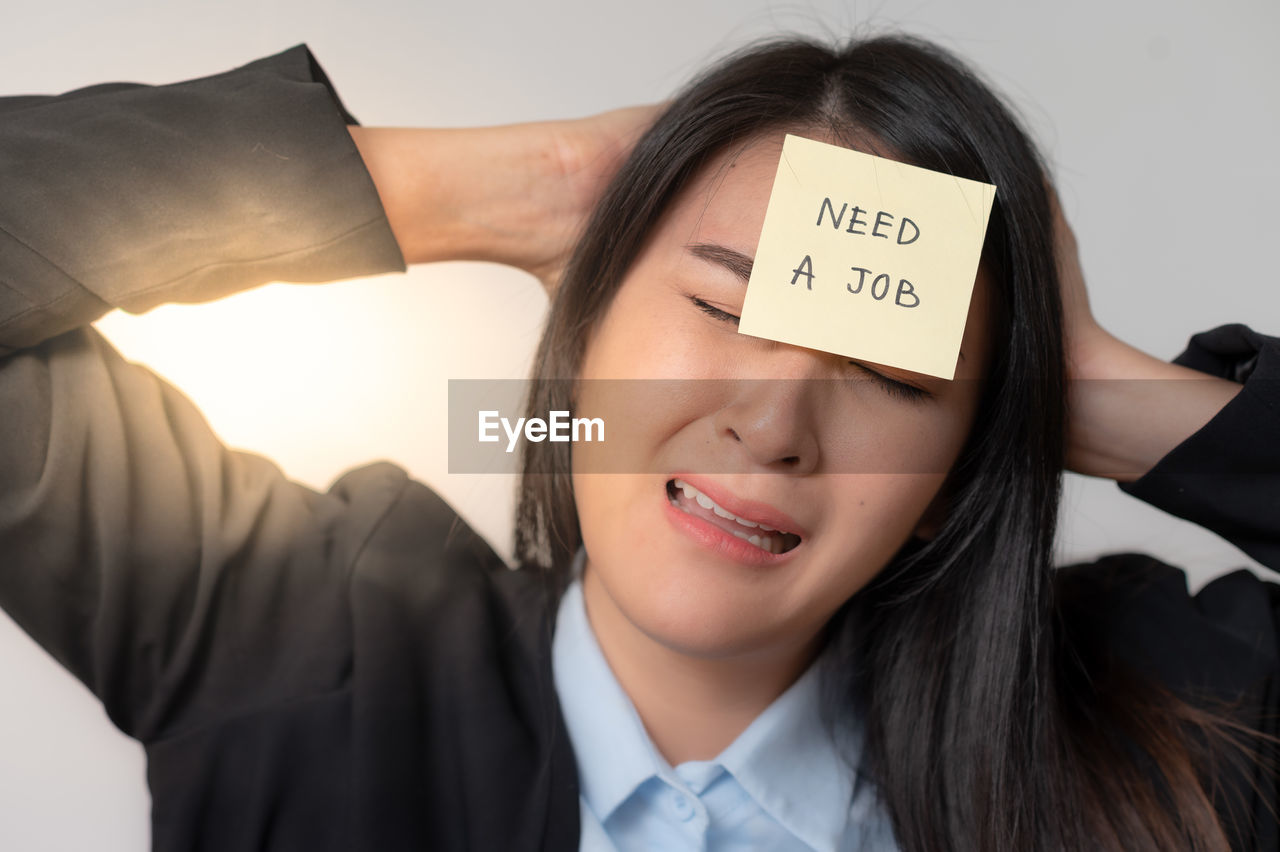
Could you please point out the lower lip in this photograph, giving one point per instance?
(721, 542)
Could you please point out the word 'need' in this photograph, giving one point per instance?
(558, 428)
(880, 226)
(858, 225)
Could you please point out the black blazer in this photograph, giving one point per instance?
(357, 669)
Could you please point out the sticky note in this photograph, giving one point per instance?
(866, 257)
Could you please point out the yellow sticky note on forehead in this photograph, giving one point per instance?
(867, 258)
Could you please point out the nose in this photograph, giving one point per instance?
(775, 420)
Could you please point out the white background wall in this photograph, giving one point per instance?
(1161, 119)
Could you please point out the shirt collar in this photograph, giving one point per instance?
(785, 760)
(599, 716)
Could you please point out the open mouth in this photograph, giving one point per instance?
(690, 500)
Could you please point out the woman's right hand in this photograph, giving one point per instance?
(517, 194)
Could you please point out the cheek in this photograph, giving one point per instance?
(602, 503)
(652, 330)
(651, 426)
(873, 517)
(625, 340)
(645, 373)
(867, 434)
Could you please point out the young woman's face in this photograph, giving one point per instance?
(839, 458)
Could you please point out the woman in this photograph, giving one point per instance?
(963, 625)
(302, 679)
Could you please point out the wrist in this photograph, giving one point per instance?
(457, 194)
(1128, 409)
(1093, 353)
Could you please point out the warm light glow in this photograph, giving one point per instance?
(323, 378)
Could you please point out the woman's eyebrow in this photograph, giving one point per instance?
(735, 261)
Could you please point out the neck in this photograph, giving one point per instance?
(693, 707)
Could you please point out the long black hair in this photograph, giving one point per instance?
(955, 656)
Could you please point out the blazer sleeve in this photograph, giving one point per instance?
(1221, 645)
(180, 581)
(129, 196)
(1226, 477)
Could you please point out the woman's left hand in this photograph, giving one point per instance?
(1085, 339)
(1126, 409)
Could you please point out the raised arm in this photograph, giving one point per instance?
(183, 582)
(516, 195)
(1199, 438)
(129, 196)
(163, 570)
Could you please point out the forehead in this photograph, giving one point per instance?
(725, 206)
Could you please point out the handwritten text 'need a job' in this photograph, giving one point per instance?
(881, 226)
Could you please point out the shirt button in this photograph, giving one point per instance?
(683, 808)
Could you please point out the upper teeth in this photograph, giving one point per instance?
(706, 502)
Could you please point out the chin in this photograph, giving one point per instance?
(690, 605)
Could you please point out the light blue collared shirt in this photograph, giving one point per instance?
(779, 786)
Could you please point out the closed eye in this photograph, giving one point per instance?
(714, 312)
(892, 386)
